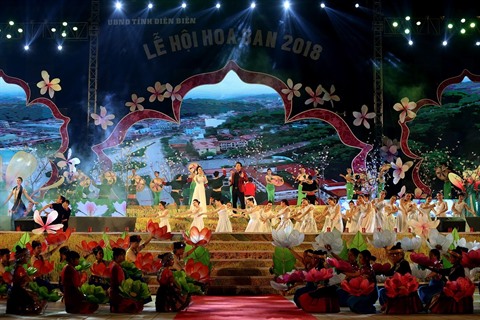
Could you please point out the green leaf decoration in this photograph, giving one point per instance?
(134, 289)
(108, 253)
(106, 239)
(186, 284)
(124, 234)
(83, 265)
(93, 293)
(131, 271)
(456, 237)
(358, 242)
(344, 253)
(44, 294)
(30, 270)
(22, 242)
(283, 261)
(446, 263)
(201, 254)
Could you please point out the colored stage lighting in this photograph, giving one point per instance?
(322, 5)
(218, 5)
(20, 30)
(410, 42)
(64, 24)
(184, 5)
(26, 47)
(150, 5)
(118, 5)
(444, 43)
(59, 47)
(252, 5)
(286, 5)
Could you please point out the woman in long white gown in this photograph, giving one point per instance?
(307, 218)
(197, 213)
(163, 213)
(379, 207)
(425, 209)
(199, 192)
(405, 210)
(266, 216)
(253, 212)
(352, 215)
(459, 209)
(284, 216)
(366, 222)
(390, 210)
(333, 216)
(224, 224)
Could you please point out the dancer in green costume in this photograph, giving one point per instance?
(349, 178)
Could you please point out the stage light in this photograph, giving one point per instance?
(286, 5)
(150, 5)
(395, 24)
(59, 47)
(357, 5)
(118, 5)
(9, 36)
(418, 23)
(20, 30)
(477, 43)
(26, 47)
(450, 26)
(462, 20)
(218, 5)
(407, 31)
(64, 24)
(11, 23)
(184, 5)
(472, 25)
(64, 34)
(407, 18)
(322, 5)
(53, 30)
(444, 43)
(410, 42)
(462, 31)
(75, 29)
(252, 5)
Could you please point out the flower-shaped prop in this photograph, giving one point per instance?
(134, 289)
(419, 272)
(411, 244)
(358, 286)
(101, 270)
(158, 232)
(329, 241)
(459, 289)
(43, 267)
(47, 226)
(197, 271)
(94, 294)
(400, 285)
(314, 275)
(147, 264)
(56, 239)
(340, 265)
(291, 277)
(384, 239)
(197, 237)
(422, 228)
(120, 243)
(44, 294)
(89, 246)
(421, 259)
(471, 259)
(439, 241)
(380, 268)
(287, 237)
(29, 247)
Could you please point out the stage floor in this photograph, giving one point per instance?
(57, 311)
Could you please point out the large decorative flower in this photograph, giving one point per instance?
(314, 275)
(340, 265)
(405, 107)
(156, 92)
(459, 289)
(197, 271)
(158, 232)
(439, 241)
(315, 96)
(173, 92)
(102, 270)
(120, 209)
(91, 209)
(120, 243)
(411, 244)
(362, 117)
(67, 161)
(471, 259)
(43, 267)
(47, 85)
(292, 90)
(381, 268)
(358, 286)
(422, 227)
(419, 272)
(47, 226)
(400, 285)
(147, 263)
(421, 259)
(389, 150)
(384, 238)
(89, 246)
(399, 169)
(291, 277)
(196, 237)
(103, 119)
(329, 241)
(58, 238)
(287, 237)
(135, 103)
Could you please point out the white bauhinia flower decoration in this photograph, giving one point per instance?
(315, 96)
(292, 90)
(287, 237)
(103, 119)
(135, 103)
(405, 107)
(439, 241)
(47, 85)
(399, 169)
(67, 161)
(329, 241)
(362, 117)
(411, 244)
(384, 239)
(91, 209)
(423, 228)
(120, 209)
(472, 245)
(419, 272)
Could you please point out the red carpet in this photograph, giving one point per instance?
(242, 307)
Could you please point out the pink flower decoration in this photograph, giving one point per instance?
(389, 150)
(135, 103)
(157, 92)
(103, 119)
(315, 96)
(292, 90)
(405, 107)
(422, 228)
(47, 226)
(401, 285)
(362, 117)
(314, 275)
(173, 92)
(47, 85)
(399, 169)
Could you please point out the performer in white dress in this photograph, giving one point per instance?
(404, 211)
(333, 216)
(352, 215)
(163, 214)
(441, 207)
(366, 222)
(379, 207)
(390, 210)
(266, 216)
(284, 215)
(199, 192)
(253, 212)
(197, 213)
(305, 215)
(224, 224)
(459, 209)
(425, 209)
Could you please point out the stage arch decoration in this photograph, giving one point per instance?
(33, 167)
(287, 91)
(457, 95)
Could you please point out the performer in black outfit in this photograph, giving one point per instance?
(57, 206)
(177, 188)
(19, 210)
(216, 184)
(310, 188)
(237, 181)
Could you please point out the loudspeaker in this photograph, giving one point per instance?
(447, 224)
(474, 223)
(99, 224)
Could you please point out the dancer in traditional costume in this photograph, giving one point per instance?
(352, 215)
(199, 192)
(406, 209)
(441, 207)
(333, 216)
(379, 207)
(197, 213)
(284, 215)
(366, 221)
(390, 210)
(349, 178)
(302, 176)
(307, 218)
(163, 213)
(460, 209)
(224, 224)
